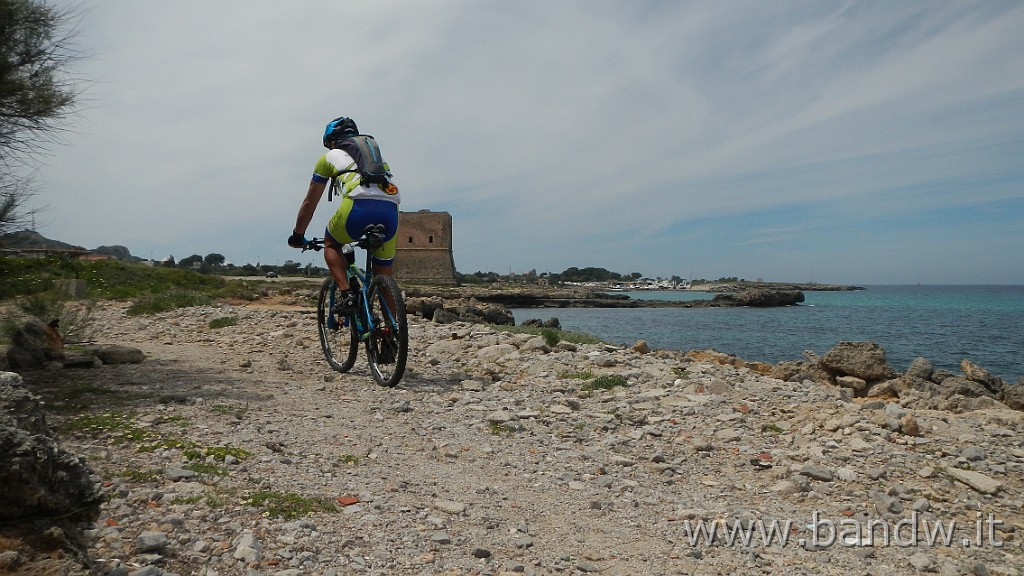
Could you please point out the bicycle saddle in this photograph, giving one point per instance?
(374, 234)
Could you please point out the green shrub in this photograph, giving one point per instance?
(223, 322)
(605, 382)
(106, 279)
(73, 323)
(289, 505)
(551, 337)
(24, 276)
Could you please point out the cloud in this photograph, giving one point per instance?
(557, 134)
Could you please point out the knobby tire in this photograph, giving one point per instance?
(387, 348)
(335, 340)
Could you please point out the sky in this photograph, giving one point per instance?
(867, 142)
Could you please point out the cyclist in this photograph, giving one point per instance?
(361, 205)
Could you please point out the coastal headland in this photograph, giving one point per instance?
(563, 296)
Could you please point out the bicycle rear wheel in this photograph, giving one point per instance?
(388, 345)
(336, 334)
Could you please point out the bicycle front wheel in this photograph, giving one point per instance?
(387, 348)
(337, 336)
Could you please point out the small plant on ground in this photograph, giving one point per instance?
(148, 475)
(168, 443)
(605, 382)
(551, 337)
(289, 505)
(216, 452)
(120, 426)
(500, 429)
(236, 411)
(582, 375)
(223, 322)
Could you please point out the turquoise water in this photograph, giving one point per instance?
(944, 324)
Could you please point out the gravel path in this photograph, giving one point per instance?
(492, 458)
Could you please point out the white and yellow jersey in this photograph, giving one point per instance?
(335, 163)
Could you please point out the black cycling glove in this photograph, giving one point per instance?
(297, 240)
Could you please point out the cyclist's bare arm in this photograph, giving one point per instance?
(313, 195)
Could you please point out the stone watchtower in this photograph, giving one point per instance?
(425, 248)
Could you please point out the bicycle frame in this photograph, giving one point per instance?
(379, 322)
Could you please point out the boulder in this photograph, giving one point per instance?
(475, 311)
(549, 323)
(47, 490)
(865, 360)
(641, 347)
(976, 373)
(921, 369)
(40, 478)
(798, 371)
(856, 384)
(967, 388)
(1013, 396)
(442, 316)
(35, 345)
(425, 307)
(116, 354)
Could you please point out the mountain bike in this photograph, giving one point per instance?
(378, 320)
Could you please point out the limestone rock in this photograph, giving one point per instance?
(40, 477)
(759, 298)
(1013, 396)
(921, 369)
(115, 354)
(865, 360)
(976, 480)
(34, 345)
(852, 382)
(976, 373)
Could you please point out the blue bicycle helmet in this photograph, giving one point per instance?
(338, 129)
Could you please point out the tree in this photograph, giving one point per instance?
(190, 262)
(35, 93)
(214, 260)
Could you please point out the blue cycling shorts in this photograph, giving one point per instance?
(354, 215)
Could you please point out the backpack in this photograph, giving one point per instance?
(364, 150)
(369, 164)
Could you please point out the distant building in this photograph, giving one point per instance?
(425, 248)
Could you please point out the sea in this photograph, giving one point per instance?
(944, 324)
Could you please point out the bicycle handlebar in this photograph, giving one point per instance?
(316, 244)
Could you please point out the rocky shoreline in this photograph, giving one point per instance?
(503, 454)
(579, 297)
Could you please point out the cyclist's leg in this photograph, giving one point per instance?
(336, 235)
(335, 262)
